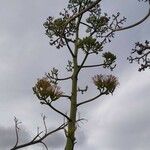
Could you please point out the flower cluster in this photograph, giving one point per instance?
(141, 55)
(57, 30)
(45, 89)
(74, 3)
(105, 83)
(109, 59)
(54, 26)
(97, 22)
(89, 44)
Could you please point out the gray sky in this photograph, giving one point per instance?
(117, 122)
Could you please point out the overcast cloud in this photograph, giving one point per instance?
(8, 137)
(118, 122)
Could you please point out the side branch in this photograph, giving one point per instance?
(68, 46)
(38, 138)
(67, 96)
(56, 110)
(58, 79)
(86, 25)
(81, 66)
(90, 100)
(62, 79)
(141, 54)
(133, 25)
(92, 66)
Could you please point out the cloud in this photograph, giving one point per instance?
(81, 138)
(121, 121)
(118, 122)
(56, 140)
(8, 137)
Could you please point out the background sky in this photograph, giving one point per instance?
(117, 122)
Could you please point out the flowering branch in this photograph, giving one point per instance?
(142, 53)
(109, 59)
(47, 92)
(105, 84)
(133, 25)
(81, 13)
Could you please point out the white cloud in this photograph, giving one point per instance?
(8, 138)
(26, 55)
(121, 121)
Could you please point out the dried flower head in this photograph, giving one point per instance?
(105, 83)
(44, 89)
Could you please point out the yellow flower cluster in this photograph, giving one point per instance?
(105, 83)
(44, 89)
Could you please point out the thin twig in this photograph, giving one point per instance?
(40, 140)
(44, 145)
(44, 122)
(16, 130)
